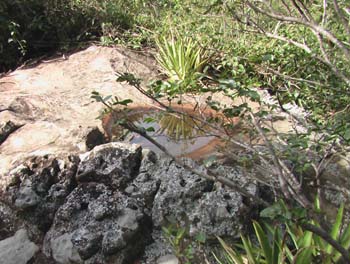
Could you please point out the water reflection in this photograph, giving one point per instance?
(181, 134)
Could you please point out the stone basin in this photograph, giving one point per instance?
(185, 132)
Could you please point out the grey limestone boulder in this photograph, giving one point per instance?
(205, 206)
(17, 249)
(63, 250)
(104, 226)
(109, 204)
(113, 164)
(38, 187)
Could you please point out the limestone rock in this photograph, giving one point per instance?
(9, 222)
(187, 199)
(63, 251)
(106, 205)
(336, 177)
(120, 229)
(109, 204)
(26, 196)
(38, 187)
(17, 249)
(113, 163)
(53, 101)
(168, 259)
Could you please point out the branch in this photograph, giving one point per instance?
(309, 51)
(291, 78)
(290, 41)
(213, 177)
(316, 29)
(323, 234)
(343, 20)
(285, 176)
(324, 15)
(301, 12)
(311, 25)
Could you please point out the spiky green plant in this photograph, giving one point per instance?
(291, 244)
(180, 58)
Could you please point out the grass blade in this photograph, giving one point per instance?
(264, 242)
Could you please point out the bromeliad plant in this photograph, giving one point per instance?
(182, 59)
(290, 240)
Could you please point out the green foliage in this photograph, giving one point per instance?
(180, 57)
(182, 243)
(286, 241)
(16, 37)
(111, 103)
(29, 28)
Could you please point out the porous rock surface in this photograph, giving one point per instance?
(108, 205)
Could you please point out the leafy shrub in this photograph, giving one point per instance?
(45, 26)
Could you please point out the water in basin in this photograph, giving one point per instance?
(180, 134)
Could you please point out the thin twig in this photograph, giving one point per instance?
(291, 78)
(285, 176)
(330, 36)
(343, 20)
(324, 15)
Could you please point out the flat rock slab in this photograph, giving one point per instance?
(17, 249)
(52, 100)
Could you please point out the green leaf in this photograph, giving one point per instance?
(232, 112)
(270, 212)
(268, 57)
(305, 240)
(276, 249)
(210, 161)
(232, 256)
(107, 98)
(303, 256)
(166, 231)
(293, 236)
(125, 102)
(97, 98)
(201, 237)
(336, 228)
(179, 236)
(149, 120)
(253, 95)
(345, 238)
(344, 241)
(228, 83)
(248, 249)
(317, 204)
(347, 134)
(264, 242)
